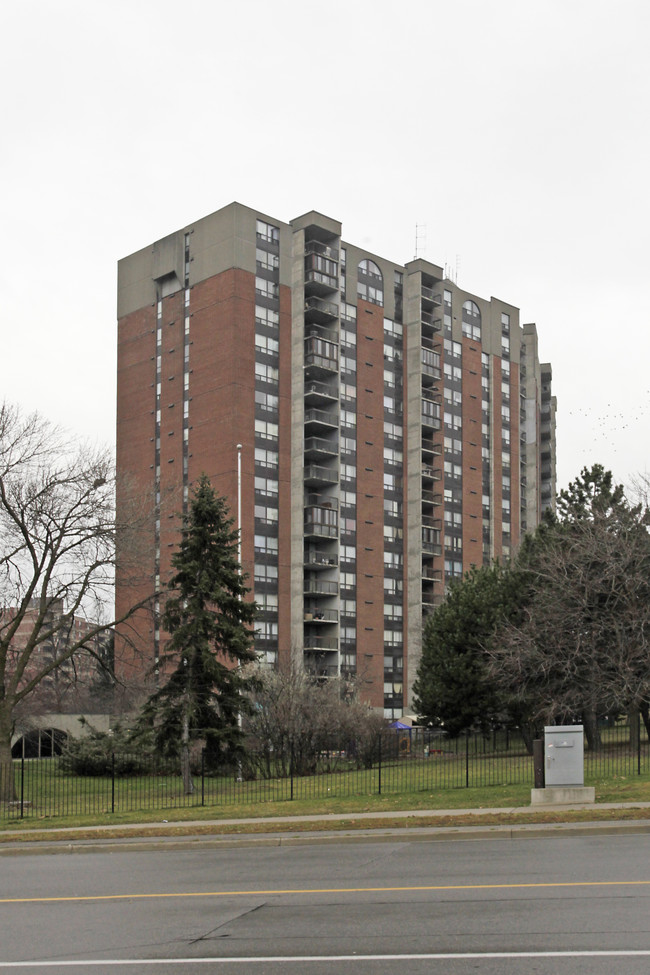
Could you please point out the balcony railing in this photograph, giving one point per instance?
(316, 392)
(320, 310)
(318, 446)
(320, 587)
(317, 616)
(320, 642)
(322, 418)
(324, 250)
(316, 475)
(320, 530)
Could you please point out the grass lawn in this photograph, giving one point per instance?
(351, 807)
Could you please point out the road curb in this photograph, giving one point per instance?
(392, 835)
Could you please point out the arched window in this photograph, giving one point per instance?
(472, 321)
(370, 282)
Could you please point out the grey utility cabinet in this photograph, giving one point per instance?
(564, 755)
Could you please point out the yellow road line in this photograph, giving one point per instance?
(326, 890)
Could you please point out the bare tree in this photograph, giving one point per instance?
(583, 645)
(296, 718)
(57, 559)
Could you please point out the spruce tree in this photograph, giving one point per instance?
(210, 639)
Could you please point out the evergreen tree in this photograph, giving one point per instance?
(581, 648)
(209, 626)
(452, 688)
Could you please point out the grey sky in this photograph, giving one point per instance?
(515, 132)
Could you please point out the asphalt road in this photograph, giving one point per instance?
(545, 905)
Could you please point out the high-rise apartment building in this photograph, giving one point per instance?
(376, 429)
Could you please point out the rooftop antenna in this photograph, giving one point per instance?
(457, 268)
(420, 240)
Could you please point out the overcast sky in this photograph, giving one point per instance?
(514, 134)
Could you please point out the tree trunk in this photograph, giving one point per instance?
(7, 784)
(645, 714)
(592, 731)
(186, 771)
(635, 728)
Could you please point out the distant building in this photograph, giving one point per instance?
(394, 430)
(78, 685)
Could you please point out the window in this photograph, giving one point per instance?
(267, 316)
(266, 372)
(266, 260)
(392, 456)
(265, 573)
(269, 289)
(393, 560)
(267, 630)
(370, 282)
(267, 232)
(266, 401)
(267, 516)
(392, 482)
(266, 430)
(266, 486)
(392, 327)
(265, 544)
(452, 372)
(266, 458)
(452, 348)
(264, 343)
(471, 321)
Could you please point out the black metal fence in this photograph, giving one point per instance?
(397, 762)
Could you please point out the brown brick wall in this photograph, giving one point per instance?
(370, 501)
(472, 459)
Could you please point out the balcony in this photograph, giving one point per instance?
(323, 250)
(430, 447)
(321, 419)
(319, 669)
(319, 447)
(430, 297)
(430, 322)
(320, 616)
(320, 311)
(317, 476)
(430, 361)
(431, 474)
(429, 497)
(320, 282)
(430, 416)
(321, 520)
(320, 587)
(434, 575)
(316, 560)
(317, 529)
(319, 643)
(321, 358)
(320, 393)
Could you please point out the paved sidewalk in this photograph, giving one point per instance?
(162, 835)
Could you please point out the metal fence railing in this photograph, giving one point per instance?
(395, 762)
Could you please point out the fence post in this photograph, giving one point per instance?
(467, 760)
(380, 763)
(203, 776)
(112, 782)
(638, 742)
(22, 782)
(291, 769)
